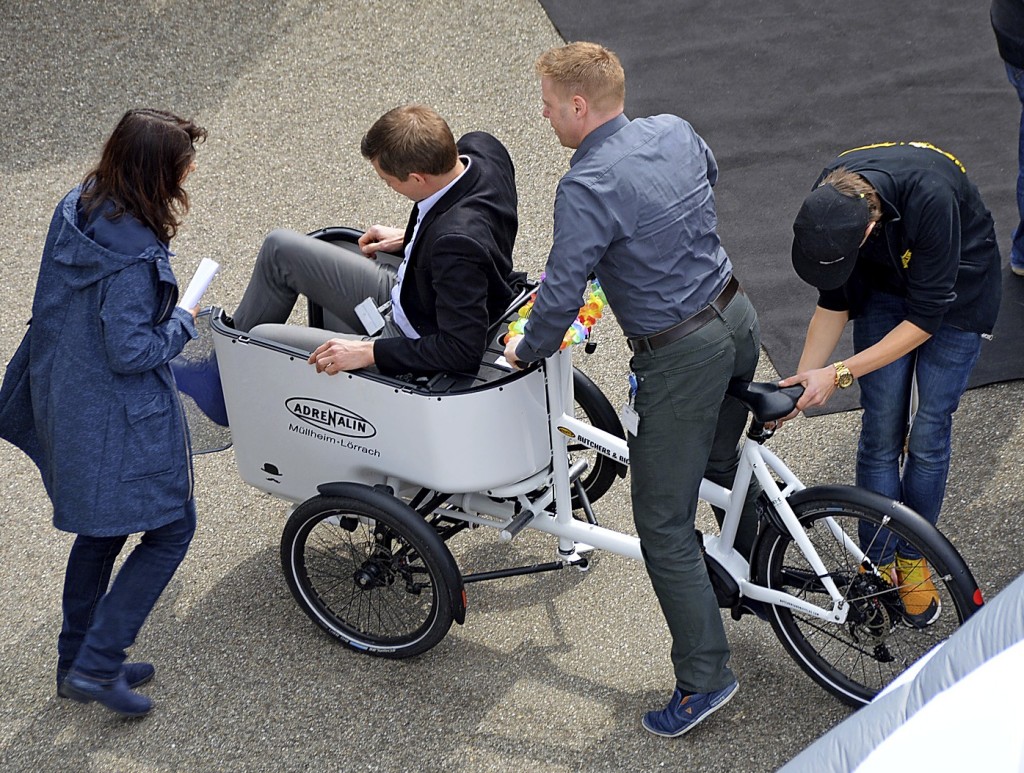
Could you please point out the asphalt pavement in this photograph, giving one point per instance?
(550, 672)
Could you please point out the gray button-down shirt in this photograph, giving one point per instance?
(635, 208)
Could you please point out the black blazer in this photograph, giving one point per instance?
(459, 278)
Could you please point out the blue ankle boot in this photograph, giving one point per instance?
(114, 694)
(135, 674)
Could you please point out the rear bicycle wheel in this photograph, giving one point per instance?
(368, 570)
(856, 660)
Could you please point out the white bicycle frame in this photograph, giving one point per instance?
(576, 537)
(280, 439)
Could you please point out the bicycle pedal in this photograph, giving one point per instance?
(750, 607)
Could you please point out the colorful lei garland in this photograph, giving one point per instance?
(590, 312)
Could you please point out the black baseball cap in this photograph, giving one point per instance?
(827, 234)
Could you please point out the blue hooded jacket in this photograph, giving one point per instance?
(89, 395)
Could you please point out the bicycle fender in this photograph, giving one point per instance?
(899, 512)
(860, 496)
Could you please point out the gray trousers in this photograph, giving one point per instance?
(688, 430)
(290, 264)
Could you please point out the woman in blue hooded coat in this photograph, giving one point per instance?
(89, 396)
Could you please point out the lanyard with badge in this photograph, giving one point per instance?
(628, 415)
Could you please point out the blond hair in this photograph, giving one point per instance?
(853, 185)
(587, 69)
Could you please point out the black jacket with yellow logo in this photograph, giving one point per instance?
(935, 245)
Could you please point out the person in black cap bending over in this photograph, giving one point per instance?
(896, 237)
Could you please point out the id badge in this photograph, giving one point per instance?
(628, 415)
(630, 419)
(370, 316)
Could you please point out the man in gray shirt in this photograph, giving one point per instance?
(636, 208)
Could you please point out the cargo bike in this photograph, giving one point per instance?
(382, 473)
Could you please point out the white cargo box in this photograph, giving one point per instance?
(294, 429)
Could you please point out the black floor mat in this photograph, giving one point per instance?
(779, 89)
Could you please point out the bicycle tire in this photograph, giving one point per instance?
(593, 407)
(856, 660)
(371, 572)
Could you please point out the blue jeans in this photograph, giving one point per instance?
(1016, 76)
(942, 365)
(100, 623)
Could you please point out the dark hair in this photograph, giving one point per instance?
(411, 138)
(142, 167)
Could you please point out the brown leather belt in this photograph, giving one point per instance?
(689, 325)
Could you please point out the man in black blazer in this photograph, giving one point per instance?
(456, 276)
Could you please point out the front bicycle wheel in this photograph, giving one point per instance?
(369, 571)
(592, 407)
(855, 660)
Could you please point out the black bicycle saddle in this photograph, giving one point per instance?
(766, 400)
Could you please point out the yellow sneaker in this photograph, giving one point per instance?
(917, 591)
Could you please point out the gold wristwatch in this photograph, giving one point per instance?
(843, 376)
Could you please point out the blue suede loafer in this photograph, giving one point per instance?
(685, 712)
(135, 674)
(114, 694)
(200, 380)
